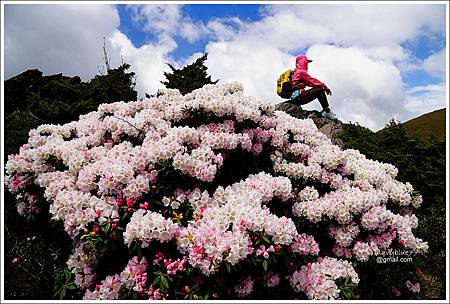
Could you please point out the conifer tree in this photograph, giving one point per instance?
(32, 99)
(190, 77)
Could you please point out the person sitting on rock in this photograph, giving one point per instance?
(301, 79)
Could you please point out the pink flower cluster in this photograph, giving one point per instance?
(241, 207)
(264, 252)
(363, 250)
(245, 287)
(414, 288)
(133, 277)
(207, 247)
(305, 244)
(109, 161)
(175, 266)
(271, 279)
(83, 266)
(317, 280)
(345, 234)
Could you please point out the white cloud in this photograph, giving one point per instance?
(148, 61)
(361, 24)
(435, 65)
(167, 20)
(161, 19)
(358, 48)
(389, 53)
(224, 29)
(364, 89)
(424, 99)
(57, 38)
(254, 64)
(424, 103)
(430, 87)
(69, 39)
(192, 31)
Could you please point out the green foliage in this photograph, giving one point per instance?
(188, 78)
(32, 100)
(17, 126)
(32, 250)
(117, 85)
(422, 163)
(64, 283)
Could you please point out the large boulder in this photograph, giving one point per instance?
(331, 128)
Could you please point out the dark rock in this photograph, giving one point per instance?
(331, 128)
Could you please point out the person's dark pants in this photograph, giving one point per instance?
(311, 94)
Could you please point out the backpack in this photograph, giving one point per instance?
(284, 88)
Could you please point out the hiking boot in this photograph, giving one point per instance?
(294, 95)
(329, 115)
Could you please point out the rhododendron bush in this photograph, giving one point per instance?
(211, 195)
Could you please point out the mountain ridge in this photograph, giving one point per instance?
(428, 124)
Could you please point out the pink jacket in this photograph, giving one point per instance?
(301, 78)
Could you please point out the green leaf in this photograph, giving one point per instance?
(346, 295)
(156, 280)
(58, 291)
(135, 296)
(165, 282)
(273, 259)
(67, 274)
(228, 267)
(265, 265)
(71, 286)
(139, 251)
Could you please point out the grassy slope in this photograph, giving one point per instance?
(432, 123)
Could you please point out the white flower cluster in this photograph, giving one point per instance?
(305, 244)
(222, 232)
(317, 280)
(77, 210)
(146, 226)
(122, 151)
(344, 235)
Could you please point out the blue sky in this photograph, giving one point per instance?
(421, 47)
(198, 12)
(386, 61)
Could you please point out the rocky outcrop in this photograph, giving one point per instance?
(331, 128)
